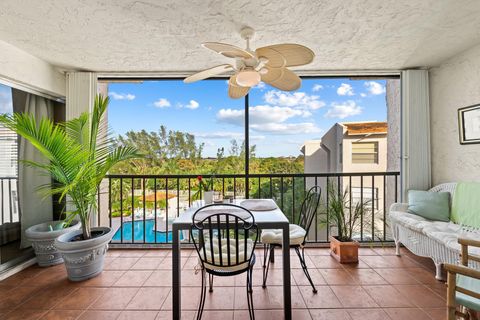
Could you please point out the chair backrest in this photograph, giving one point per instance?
(309, 208)
(224, 236)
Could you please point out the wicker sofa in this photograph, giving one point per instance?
(434, 239)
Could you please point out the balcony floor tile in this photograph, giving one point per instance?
(136, 284)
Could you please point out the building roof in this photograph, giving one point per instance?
(362, 128)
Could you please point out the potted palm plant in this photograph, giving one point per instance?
(344, 216)
(43, 235)
(80, 154)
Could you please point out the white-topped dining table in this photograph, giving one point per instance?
(271, 219)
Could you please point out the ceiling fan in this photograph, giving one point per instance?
(268, 64)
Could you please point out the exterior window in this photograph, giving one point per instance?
(367, 196)
(8, 152)
(364, 152)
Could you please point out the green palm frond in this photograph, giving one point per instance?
(80, 153)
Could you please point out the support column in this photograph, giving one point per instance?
(81, 91)
(415, 169)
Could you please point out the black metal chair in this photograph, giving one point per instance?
(224, 236)
(298, 235)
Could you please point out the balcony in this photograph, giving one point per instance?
(136, 283)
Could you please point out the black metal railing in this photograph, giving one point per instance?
(141, 208)
(9, 209)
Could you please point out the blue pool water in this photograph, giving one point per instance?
(138, 232)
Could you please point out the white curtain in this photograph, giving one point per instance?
(34, 207)
(416, 172)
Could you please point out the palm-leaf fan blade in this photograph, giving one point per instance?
(286, 55)
(228, 50)
(234, 90)
(282, 79)
(208, 73)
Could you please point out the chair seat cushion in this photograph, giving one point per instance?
(274, 236)
(471, 284)
(221, 261)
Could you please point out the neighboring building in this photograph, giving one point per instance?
(8, 153)
(348, 147)
(351, 147)
(8, 176)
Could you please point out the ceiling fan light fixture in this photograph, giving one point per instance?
(248, 78)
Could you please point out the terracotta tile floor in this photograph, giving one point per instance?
(136, 284)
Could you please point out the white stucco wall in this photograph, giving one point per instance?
(454, 84)
(21, 68)
(315, 160)
(393, 117)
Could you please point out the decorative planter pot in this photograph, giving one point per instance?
(344, 252)
(208, 197)
(84, 259)
(42, 239)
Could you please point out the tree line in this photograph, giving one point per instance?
(176, 152)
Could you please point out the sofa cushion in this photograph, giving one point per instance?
(408, 220)
(466, 204)
(430, 205)
(448, 233)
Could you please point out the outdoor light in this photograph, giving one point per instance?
(248, 78)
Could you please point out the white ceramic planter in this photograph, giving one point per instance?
(42, 240)
(84, 259)
(208, 197)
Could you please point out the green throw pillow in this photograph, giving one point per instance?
(466, 204)
(430, 205)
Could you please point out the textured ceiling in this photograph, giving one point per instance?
(158, 35)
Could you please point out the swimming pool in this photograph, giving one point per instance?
(138, 232)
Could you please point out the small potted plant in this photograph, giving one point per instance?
(206, 188)
(344, 216)
(80, 154)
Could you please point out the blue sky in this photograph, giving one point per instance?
(5, 99)
(280, 121)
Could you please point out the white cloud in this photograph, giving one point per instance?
(269, 119)
(261, 85)
(192, 105)
(162, 103)
(257, 137)
(345, 90)
(5, 100)
(121, 96)
(286, 128)
(343, 110)
(232, 116)
(374, 88)
(297, 100)
(317, 87)
(258, 114)
(219, 135)
(363, 95)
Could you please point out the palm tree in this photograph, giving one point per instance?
(80, 154)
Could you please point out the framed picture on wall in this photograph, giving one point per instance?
(469, 124)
